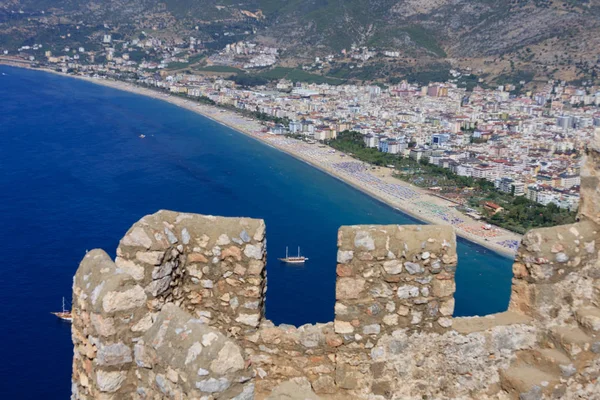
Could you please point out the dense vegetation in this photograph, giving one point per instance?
(519, 215)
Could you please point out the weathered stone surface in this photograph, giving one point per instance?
(363, 240)
(407, 291)
(113, 354)
(150, 257)
(248, 319)
(324, 384)
(137, 237)
(344, 256)
(145, 356)
(181, 333)
(253, 251)
(110, 381)
(229, 359)
(292, 391)
(393, 267)
(130, 267)
(349, 288)
(213, 385)
(122, 301)
(413, 268)
(589, 208)
(343, 327)
(371, 329)
(105, 326)
(143, 324)
(443, 288)
(159, 286)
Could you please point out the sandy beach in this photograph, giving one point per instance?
(376, 182)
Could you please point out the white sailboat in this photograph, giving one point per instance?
(293, 260)
(64, 314)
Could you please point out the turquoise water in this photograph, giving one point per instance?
(76, 175)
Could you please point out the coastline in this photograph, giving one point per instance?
(377, 183)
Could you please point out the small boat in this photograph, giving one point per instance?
(65, 315)
(142, 136)
(293, 260)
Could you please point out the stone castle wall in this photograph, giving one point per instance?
(180, 314)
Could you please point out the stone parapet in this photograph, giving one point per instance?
(281, 353)
(553, 271)
(213, 267)
(180, 315)
(392, 277)
(589, 208)
(177, 279)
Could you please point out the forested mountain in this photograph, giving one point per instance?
(536, 35)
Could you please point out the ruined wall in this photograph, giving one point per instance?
(180, 314)
(554, 272)
(156, 322)
(589, 209)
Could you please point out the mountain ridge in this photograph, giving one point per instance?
(495, 37)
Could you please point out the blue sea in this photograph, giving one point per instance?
(75, 175)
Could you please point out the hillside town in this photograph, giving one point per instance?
(527, 145)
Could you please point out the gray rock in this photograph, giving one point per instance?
(163, 385)
(185, 236)
(364, 240)
(253, 251)
(251, 305)
(534, 394)
(344, 256)
(247, 393)
(207, 283)
(113, 354)
(373, 329)
(413, 268)
(213, 385)
(562, 257)
(145, 357)
(397, 346)
(159, 286)
(381, 290)
(244, 236)
(312, 339)
(234, 303)
(171, 236)
(407, 291)
(163, 270)
(374, 309)
(568, 370)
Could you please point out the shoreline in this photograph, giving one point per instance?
(421, 206)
